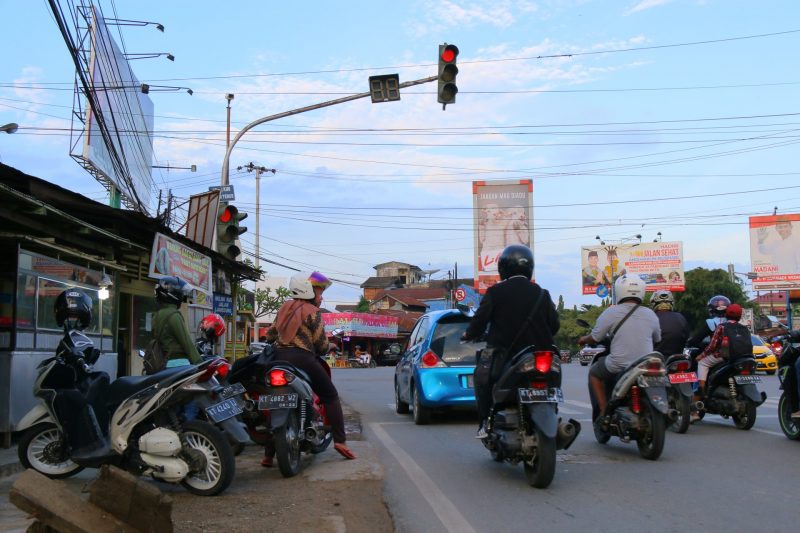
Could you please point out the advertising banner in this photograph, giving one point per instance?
(502, 215)
(171, 258)
(659, 264)
(775, 251)
(362, 324)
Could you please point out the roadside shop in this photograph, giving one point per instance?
(367, 330)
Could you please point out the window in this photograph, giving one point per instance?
(26, 300)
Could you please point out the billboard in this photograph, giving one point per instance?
(502, 215)
(775, 251)
(171, 258)
(201, 223)
(361, 325)
(659, 264)
(126, 113)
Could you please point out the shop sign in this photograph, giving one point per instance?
(171, 258)
(361, 324)
(223, 304)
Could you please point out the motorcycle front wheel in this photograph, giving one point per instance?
(218, 463)
(789, 426)
(745, 420)
(650, 440)
(287, 446)
(542, 468)
(44, 449)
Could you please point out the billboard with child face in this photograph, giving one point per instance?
(659, 264)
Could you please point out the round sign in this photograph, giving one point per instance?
(602, 291)
(460, 294)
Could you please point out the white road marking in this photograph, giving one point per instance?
(568, 411)
(579, 404)
(445, 510)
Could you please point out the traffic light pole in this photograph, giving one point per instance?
(226, 161)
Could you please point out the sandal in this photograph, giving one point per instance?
(266, 462)
(344, 451)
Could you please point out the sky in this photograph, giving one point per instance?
(632, 117)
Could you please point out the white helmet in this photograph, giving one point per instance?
(629, 286)
(300, 287)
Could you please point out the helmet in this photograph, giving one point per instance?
(662, 301)
(73, 308)
(212, 326)
(300, 287)
(717, 305)
(733, 312)
(318, 279)
(172, 290)
(629, 286)
(515, 260)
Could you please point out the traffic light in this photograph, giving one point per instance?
(447, 73)
(228, 230)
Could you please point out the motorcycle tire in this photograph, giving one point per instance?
(746, 421)
(599, 434)
(497, 455)
(542, 468)
(651, 441)
(684, 408)
(220, 464)
(287, 446)
(373, 364)
(422, 414)
(400, 407)
(43, 448)
(789, 426)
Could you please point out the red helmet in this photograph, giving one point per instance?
(733, 312)
(212, 326)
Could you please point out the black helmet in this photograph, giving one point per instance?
(172, 290)
(73, 308)
(516, 260)
(717, 305)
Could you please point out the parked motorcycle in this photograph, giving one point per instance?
(86, 421)
(731, 391)
(789, 401)
(524, 424)
(637, 405)
(680, 392)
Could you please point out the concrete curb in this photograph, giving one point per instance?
(9, 469)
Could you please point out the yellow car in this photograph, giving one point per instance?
(765, 359)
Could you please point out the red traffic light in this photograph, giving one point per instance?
(449, 53)
(228, 214)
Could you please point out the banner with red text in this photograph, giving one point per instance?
(659, 264)
(775, 251)
(361, 324)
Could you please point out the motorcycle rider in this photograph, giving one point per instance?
(633, 339)
(716, 311)
(299, 337)
(674, 327)
(506, 309)
(210, 329)
(169, 326)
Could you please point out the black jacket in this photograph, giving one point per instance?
(505, 308)
(674, 333)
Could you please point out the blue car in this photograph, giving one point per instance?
(436, 369)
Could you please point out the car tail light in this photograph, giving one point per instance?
(217, 366)
(636, 402)
(543, 361)
(430, 360)
(279, 378)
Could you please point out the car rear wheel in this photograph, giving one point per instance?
(400, 406)
(422, 414)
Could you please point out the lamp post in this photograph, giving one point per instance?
(11, 127)
(228, 97)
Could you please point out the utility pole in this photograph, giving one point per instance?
(250, 167)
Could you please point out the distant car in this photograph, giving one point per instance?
(765, 359)
(436, 369)
(390, 355)
(587, 353)
(256, 347)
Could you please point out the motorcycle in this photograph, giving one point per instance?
(731, 391)
(637, 406)
(680, 391)
(789, 401)
(134, 422)
(524, 424)
(355, 362)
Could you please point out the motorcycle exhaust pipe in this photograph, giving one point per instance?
(697, 406)
(311, 434)
(250, 405)
(567, 433)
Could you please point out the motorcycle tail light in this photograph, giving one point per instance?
(777, 348)
(223, 369)
(654, 367)
(279, 378)
(746, 369)
(682, 366)
(217, 366)
(538, 384)
(543, 361)
(636, 401)
(430, 360)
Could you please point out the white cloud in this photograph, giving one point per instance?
(645, 4)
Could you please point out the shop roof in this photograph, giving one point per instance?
(381, 282)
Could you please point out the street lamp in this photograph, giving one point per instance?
(228, 97)
(193, 168)
(11, 127)
(149, 55)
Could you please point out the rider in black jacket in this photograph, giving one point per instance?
(505, 309)
(674, 327)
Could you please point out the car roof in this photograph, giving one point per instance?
(435, 316)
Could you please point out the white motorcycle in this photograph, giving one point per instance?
(136, 423)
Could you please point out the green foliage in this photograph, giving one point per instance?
(701, 285)
(269, 301)
(570, 331)
(363, 305)
(560, 306)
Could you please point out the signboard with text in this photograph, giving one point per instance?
(223, 304)
(171, 258)
(775, 251)
(659, 264)
(361, 324)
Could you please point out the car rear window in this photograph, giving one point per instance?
(453, 351)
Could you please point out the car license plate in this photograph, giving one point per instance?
(551, 395)
(470, 381)
(223, 410)
(232, 390)
(652, 381)
(277, 401)
(683, 377)
(746, 380)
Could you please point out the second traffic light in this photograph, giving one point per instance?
(447, 73)
(228, 230)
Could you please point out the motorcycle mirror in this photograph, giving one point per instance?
(582, 323)
(141, 354)
(337, 332)
(466, 310)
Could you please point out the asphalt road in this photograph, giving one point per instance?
(715, 477)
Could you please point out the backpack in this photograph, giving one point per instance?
(736, 341)
(155, 360)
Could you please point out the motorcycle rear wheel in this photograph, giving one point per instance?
(542, 468)
(651, 441)
(287, 446)
(789, 426)
(745, 421)
(44, 449)
(220, 464)
(681, 422)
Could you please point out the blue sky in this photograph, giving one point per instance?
(599, 126)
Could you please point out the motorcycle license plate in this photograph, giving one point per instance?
(277, 401)
(683, 377)
(652, 381)
(232, 390)
(746, 380)
(551, 395)
(223, 410)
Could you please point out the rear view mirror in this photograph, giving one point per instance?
(466, 310)
(141, 354)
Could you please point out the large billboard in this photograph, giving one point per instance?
(127, 114)
(502, 215)
(775, 251)
(659, 264)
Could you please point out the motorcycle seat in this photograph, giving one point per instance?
(676, 357)
(125, 387)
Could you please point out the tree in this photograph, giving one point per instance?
(269, 301)
(569, 332)
(701, 285)
(363, 305)
(560, 306)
